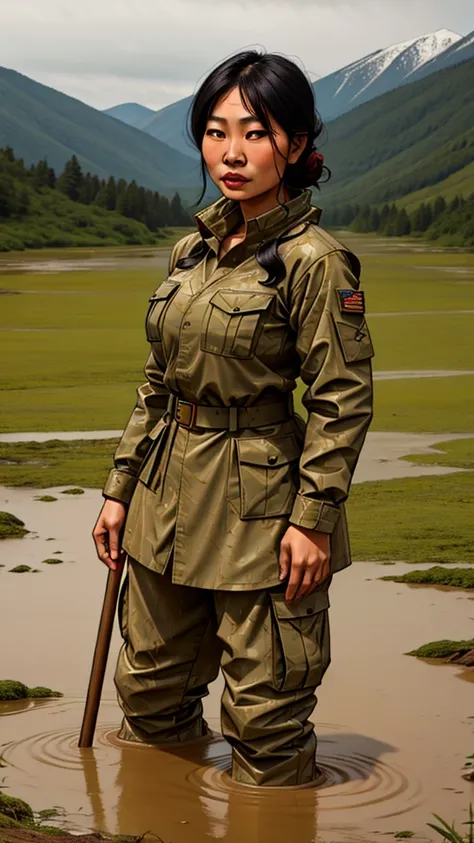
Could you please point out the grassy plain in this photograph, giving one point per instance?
(75, 345)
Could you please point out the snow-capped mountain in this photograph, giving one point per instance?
(341, 91)
(379, 72)
(461, 50)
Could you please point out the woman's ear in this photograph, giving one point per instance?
(297, 146)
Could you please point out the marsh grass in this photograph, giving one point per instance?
(76, 345)
(454, 577)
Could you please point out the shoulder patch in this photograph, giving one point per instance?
(351, 301)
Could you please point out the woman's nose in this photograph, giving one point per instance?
(234, 153)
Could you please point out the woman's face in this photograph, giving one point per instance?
(235, 143)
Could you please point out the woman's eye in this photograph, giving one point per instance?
(260, 133)
(215, 133)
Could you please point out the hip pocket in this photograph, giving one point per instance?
(149, 472)
(301, 640)
(268, 476)
(232, 322)
(158, 303)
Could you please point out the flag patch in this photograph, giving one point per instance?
(351, 301)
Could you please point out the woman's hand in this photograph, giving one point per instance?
(107, 533)
(304, 556)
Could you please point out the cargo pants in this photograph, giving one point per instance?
(273, 656)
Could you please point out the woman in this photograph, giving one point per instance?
(229, 506)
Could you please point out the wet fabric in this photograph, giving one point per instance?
(273, 656)
(221, 500)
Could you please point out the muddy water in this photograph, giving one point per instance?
(84, 259)
(393, 731)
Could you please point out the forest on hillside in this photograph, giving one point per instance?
(39, 208)
(448, 223)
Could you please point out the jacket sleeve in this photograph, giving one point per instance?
(151, 404)
(334, 347)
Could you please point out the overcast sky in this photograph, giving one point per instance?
(154, 52)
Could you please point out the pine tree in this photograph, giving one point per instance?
(402, 224)
(71, 179)
(41, 175)
(439, 206)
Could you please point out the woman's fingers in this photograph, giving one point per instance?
(296, 575)
(285, 561)
(306, 583)
(103, 543)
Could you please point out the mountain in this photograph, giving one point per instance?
(460, 51)
(396, 144)
(40, 122)
(130, 112)
(338, 93)
(169, 125)
(377, 73)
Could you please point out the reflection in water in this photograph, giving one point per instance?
(185, 791)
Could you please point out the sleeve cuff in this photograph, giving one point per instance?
(314, 515)
(119, 485)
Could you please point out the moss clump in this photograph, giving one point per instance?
(74, 491)
(11, 689)
(437, 575)
(45, 498)
(39, 692)
(443, 649)
(52, 561)
(11, 526)
(20, 569)
(16, 809)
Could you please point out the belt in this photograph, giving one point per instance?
(191, 415)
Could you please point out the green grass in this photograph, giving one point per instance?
(454, 577)
(456, 452)
(442, 649)
(42, 465)
(11, 689)
(79, 369)
(414, 519)
(420, 405)
(11, 526)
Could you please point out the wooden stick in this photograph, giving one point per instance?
(99, 661)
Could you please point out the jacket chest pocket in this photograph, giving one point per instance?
(158, 303)
(233, 321)
(268, 476)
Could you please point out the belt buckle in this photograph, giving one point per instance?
(186, 413)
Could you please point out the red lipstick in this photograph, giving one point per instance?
(234, 180)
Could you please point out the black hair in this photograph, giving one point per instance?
(270, 85)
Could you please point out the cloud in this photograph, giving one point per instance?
(156, 51)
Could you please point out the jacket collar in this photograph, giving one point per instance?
(218, 220)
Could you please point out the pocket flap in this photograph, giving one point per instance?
(268, 452)
(234, 302)
(164, 290)
(354, 337)
(305, 607)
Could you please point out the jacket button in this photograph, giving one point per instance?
(272, 459)
(236, 309)
(187, 324)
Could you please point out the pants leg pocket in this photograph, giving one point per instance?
(301, 640)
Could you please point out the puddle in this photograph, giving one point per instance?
(384, 771)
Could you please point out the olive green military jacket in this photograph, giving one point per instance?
(218, 502)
